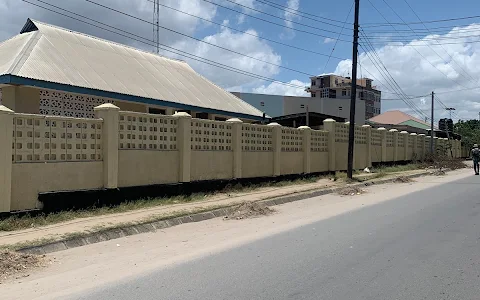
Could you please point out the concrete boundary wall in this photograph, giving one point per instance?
(119, 149)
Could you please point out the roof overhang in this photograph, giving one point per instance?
(17, 80)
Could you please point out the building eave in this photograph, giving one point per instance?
(17, 80)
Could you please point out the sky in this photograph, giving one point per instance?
(281, 43)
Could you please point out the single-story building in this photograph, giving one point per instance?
(399, 118)
(55, 71)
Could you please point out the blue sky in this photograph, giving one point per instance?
(416, 68)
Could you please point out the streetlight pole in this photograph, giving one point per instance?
(353, 98)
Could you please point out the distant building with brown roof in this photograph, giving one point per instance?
(396, 117)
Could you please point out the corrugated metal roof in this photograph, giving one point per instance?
(394, 117)
(49, 53)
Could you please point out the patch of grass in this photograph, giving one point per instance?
(31, 221)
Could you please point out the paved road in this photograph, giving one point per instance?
(421, 246)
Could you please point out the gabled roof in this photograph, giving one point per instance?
(52, 54)
(395, 117)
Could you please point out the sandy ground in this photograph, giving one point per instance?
(80, 269)
(92, 223)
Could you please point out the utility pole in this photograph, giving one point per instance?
(353, 99)
(450, 109)
(308, 117)
(156, 26)
(431, 123)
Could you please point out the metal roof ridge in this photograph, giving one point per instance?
(24, 53)
(103, 40)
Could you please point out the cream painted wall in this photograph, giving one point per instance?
(257, 164)
(291, 163)
(341, 151)
(207, 165)
(319, 161)
(29, 179)
(131, 106)
(360, 156)
(142, 167)
(21, 99)
(376, 153)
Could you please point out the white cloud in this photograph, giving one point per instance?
(290, 15)
(328, 40)
(417, 76)
(248, 44)
(14, 13)
(277, 88)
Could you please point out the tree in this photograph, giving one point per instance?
(469, 130)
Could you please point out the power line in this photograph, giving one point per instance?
(409, 43)
(471, 78)
(423, 31)
(299, 11)
(441, 46)
(247, 33)
(408, 37)
(164, 47)
(277, 17)
(273, 23)
(197, 39)
(336, 41)
(389, 79)
(369, 25)
(414, 47)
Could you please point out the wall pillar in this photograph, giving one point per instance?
(184, 140)
(368, 148)
(6, 138)
(404, 136)
(277, 147)
(9, 96)
(236, 146)
(422, 147)
(110, 115)
(307, 142)
(415, 146)
(329, 125)
(383, 133)
(395, 144)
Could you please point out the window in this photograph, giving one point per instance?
(324, 93)
(156, 111)
(313, 82)
(314, 95)
(344, 92)
(340, 108)
(202, 115)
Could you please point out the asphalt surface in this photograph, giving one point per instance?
(421, 246)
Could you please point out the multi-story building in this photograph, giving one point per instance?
(338, 87)
(276, 105)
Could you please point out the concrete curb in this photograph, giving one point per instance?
(115, 233)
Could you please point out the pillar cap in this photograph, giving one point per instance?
(181, 114)
(234, 120)
(304, 127)
(106, 106)
(393, 130)
(382, 128)
(366, 126)
(329, 120)
(413, 133)
(404, 132)
(347, 123)
(422, 134)
(274, 124)
(5, 110)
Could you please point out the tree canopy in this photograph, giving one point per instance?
(469, 130)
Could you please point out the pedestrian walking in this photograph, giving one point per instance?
(475, 158)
